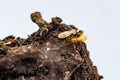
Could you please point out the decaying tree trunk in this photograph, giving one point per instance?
(55, 52)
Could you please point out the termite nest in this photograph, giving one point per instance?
(56, 51)
(62, 30)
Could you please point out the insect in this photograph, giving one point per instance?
(81, 32)
(66, 34)
(80, 38)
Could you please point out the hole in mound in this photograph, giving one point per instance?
(2, 51)
(29, 60)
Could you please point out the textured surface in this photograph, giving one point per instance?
(44, 56)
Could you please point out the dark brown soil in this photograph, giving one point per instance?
(44, 56)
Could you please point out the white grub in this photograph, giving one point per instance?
(66, 34)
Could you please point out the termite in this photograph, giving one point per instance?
(66, 34)
(81, 32)
(80, 38)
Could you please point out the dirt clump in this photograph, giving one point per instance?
(56, 51)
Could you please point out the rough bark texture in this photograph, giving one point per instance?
(44, 56)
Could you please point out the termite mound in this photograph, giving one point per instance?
(56, 51)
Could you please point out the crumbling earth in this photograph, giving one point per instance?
(46, 56)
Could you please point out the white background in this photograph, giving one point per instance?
(98, 18)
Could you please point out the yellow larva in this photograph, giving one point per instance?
(66, 34)
(80, 38)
